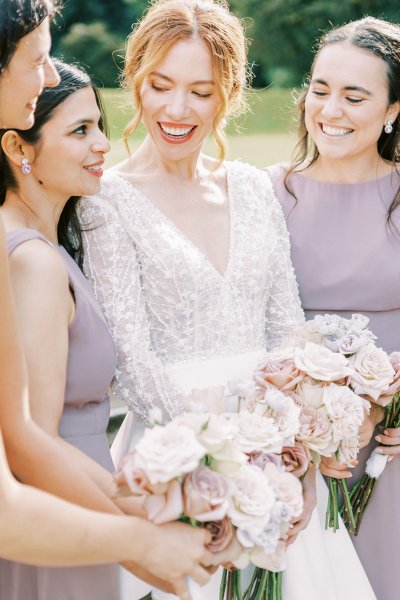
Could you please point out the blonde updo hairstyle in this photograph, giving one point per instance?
(170, 21)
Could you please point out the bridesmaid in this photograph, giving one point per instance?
(67, 344)
(341, 202)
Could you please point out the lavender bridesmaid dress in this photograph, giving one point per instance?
(91, 365)
(347, 259)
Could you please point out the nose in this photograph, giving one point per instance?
(51, 76)
(177, 107)
(101, 143)
(332, 108)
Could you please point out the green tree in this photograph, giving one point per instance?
(283, 31)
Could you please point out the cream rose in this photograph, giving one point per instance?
(168, 452)
(252, 500)
(316, 431)
(255, 432)
(372, 371)
(345, 410)
(320, 363)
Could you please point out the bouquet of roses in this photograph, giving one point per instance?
(217, 471)
(374, 370)
(318, 368)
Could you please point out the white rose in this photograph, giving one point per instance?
(255, 432)
(320, 363)
(345, 410)
(358, 322)
(228, 459)
(316, 431)
(267, 540)
(252, 500)
(216, 432)
(288, 489)
(326, 324)
(274, 562)
(285, 413)
(348, 450)
(373, 372)
(310, 392)
(168, 452)
(352, 342)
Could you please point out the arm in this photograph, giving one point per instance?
(36, 453)
(112, 266)
(283, 310)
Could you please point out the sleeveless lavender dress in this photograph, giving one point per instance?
(347, 259)
(91, 365)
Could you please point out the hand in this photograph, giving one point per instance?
(227, 556)
(174, 551)
(391, 439)
(310, 502)
(371, 420)
(331, 468)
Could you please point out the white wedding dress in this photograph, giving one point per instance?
(179, 324)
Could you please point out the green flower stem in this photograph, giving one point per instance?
(222, 587)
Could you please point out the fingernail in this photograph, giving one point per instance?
(379, 450)
(378, 438)
(386, 432)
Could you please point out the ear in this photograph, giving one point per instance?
(15, 148)
(393, 112)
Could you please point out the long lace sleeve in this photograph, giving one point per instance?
(283, 310)
(112, 266)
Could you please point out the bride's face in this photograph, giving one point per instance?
(179, 100)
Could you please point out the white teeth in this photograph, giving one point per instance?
(335, 130)
(177, 131)
(95, 168)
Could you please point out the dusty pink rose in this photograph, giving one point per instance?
(222, 533)
(206, 495)
(296, 459)
(260, 459)
(278, 369)
(164, 508)
(394, 387)
(131, 479)
(316, 431)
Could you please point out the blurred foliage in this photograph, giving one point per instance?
(282, 32)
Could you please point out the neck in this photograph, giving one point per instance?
(32, 207)
(357, 170)
(148, 159)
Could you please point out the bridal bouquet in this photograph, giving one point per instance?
(375, 372)
(217, 471)
(322, 367)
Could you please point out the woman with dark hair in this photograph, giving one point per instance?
(341, 199)
(69, 351)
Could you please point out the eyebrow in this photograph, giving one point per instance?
(81, 122)
(199, 82)
(352, 88)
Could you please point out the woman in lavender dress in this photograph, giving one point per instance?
(69, 350)
(342, 211)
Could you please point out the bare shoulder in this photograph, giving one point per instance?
(36, 264)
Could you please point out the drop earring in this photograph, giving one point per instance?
(388, 127)
(26, 167)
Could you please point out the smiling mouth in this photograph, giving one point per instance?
(335, 131)
(177, 133)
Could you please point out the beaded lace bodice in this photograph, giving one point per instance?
(164, 300)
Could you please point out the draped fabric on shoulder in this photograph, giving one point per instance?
(165, 302)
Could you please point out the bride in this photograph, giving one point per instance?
(189, 256)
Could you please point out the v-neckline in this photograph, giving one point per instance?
(206, 259)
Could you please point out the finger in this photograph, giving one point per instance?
(395, 450)
(392, 432)
(200, 575)
(207, 559)
(335, 473)
(388, 441)
(229, 554)
(181, 589)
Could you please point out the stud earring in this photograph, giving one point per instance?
(388, 127)
(26, 167)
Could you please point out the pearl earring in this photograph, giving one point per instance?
(26, 167)
(388, 127)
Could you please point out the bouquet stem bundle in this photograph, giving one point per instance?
(265, 585)
(230, 586)
(361, 493)
(332, 511)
